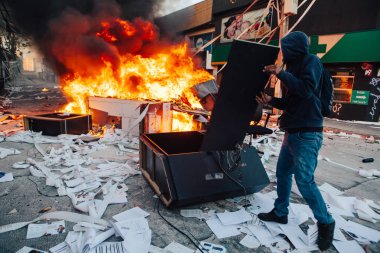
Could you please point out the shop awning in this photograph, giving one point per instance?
(351, 47)
(355, 47)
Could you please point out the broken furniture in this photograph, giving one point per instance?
(191, 167)
(54, 124)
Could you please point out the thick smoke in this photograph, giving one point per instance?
(65, 30)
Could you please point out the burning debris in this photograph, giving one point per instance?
(97, 53)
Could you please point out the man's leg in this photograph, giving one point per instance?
(305, 147)
(284, 184)
(284, 179)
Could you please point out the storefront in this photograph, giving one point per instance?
(353, 60)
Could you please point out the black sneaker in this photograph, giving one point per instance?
(325, 235)
(271, 216)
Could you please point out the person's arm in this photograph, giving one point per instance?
(264, 99)
(279, 103)
(305, 85)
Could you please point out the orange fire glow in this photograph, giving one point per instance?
(164, 73)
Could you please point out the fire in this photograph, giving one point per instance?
(141, 70)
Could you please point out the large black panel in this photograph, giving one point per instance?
(243, 78)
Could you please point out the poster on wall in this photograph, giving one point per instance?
(198, 41)
(250, 18)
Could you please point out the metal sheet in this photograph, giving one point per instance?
(235, 105)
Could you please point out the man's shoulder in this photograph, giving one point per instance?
(312, 61)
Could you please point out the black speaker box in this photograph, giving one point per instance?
(181, 175)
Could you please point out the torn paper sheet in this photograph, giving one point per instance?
(155, 249)
(136, 233)
(260, 204)
(60, 248)
(222, 231)
(330, 189)
(38, 230)
(348, 247)
(30, 250)
(59, 215)
(250, 242)
(109, 247)
(20, 165)
(211, 248)
(261, 233)
(280, 245)
(175, 247)
(6, 177)
(363, 208)
(132, 213)
(191, 213)
(362, 231)
(4, 152)
(297, 237)
(234, 218)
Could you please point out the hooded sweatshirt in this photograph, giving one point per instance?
(301, 96)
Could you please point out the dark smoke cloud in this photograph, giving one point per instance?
(53, 23)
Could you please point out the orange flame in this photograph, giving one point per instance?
(167, 74)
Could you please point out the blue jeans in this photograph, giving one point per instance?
(299, 156)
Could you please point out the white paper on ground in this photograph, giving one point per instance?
(155, 249)
(191, 213)
(59, 215)
(280, 245)
(60, 248)
(4, 152)
(261, 204)
(129, 214)
(362, 231)
(250, 242)
(364, 207)
(234, 218)
(20, 165)
(102, 237)
(274, 228)
(175, 247)
(220, 230)
(6, 178)
(348, 247)
(297, 237)
(261, 233)
(211, 248)
(136, 233)
(312, 235)
(73, 241)
(28, 250)
(338, 235)
(330, 189)
(38, 230)
(109, 247)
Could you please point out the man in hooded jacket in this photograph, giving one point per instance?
(302, 122)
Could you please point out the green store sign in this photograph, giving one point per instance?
(360, 97)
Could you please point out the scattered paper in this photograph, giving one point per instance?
(330, 189)
(250, 242)
(221, 231)
(60, 248)
(132, 213)
(38, 230)
(136, 233)
(7, 177)
(211, 248)
(109, 247)
(30, 250)
(234, 218)
(362, 231)
(175, 247)
(4, 152)
(155, 249)
(348, 247)
(191, 213)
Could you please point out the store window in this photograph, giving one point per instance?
(343, 80)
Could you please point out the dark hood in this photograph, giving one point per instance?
(295, 45)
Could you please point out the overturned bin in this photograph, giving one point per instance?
(181, 175)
